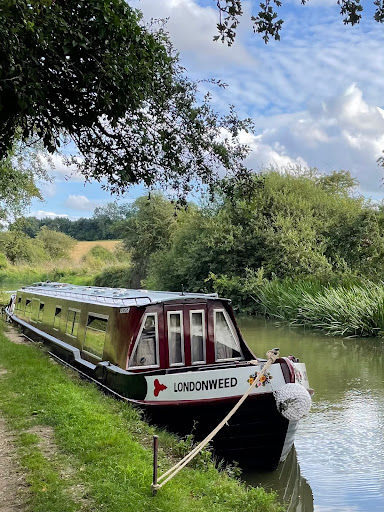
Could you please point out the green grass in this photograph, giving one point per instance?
(102, 447)
(15, 276)
(351, 309)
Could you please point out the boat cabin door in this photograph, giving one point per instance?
(186, 332)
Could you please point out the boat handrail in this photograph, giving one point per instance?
(122, 301)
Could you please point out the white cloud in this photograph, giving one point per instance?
(41, 214)
(342, 132)
(60, 171)
(48, 189)
(192, 27)
(80, 202)
(264, 155)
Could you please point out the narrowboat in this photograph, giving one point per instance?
(180, 357)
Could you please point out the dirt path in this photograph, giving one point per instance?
(13, 486)
(12, 483)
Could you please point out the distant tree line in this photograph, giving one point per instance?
(105, 224)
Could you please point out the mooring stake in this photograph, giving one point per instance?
(155, 485)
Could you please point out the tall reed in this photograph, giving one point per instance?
(353, 309)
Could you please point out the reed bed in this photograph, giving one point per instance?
(351, 309)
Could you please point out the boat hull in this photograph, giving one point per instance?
(256, 435)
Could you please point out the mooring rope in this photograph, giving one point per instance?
(158, 483)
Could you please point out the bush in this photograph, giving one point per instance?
(57, 245)
(243, 291)
(98, 256)
(115, 277)
(3, 261)
(19, 248)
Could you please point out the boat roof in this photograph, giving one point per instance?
(111, 296)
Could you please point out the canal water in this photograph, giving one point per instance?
(338, 463)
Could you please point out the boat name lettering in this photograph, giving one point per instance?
(124, 310)
(205, 385)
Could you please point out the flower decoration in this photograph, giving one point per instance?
(264, 379)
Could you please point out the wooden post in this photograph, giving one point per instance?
(155, 452)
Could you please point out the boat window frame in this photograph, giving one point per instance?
(182, 341)
(73, 323)
(41, 310)
(149, 313)
(102, 317)
(28, 302)
(55, 316)
(203, 312)
(233, 332)
(32, 318)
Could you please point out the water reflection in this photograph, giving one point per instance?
(293, 490)
(340, 444)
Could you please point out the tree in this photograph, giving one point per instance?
(266, 21)
(19, 248)
(27, 225)
(146, 231)
(19, 171)
(92, 72)
(295, 224)
(57, 245)
(110, 219)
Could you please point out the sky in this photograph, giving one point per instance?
(315, 96)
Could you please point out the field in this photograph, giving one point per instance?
(81, 248)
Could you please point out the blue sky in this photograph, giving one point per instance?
(315, 97)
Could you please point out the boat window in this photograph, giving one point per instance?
(145, 351)
(95, 335)
(35, 309)
(41, 312)
(226, 343)
(175, 338)
(56, 318)
(72, 322)
(28, 306)
(197, 332)
(18, 304)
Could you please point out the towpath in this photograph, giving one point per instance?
(12, 482)
(13, 486)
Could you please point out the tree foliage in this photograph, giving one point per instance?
(293, 224)
(19, 248)
(50, 245)
(106, 223)
(147, 231)
(19, 171)
(267, 22)
(92, 72)
(57, 245)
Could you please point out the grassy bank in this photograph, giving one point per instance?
(113, 275)
(99, 455)
(351, 309)
(56, 271)
(85, 261)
